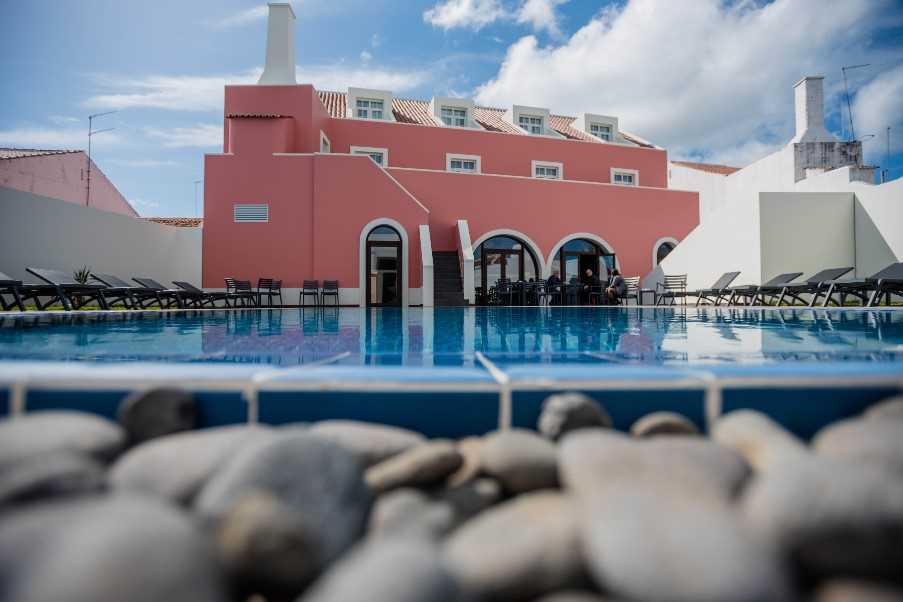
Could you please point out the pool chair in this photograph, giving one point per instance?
(269, 288)
(310, 288)
(672, 288)
(815, 285)
(869, 291)
(172, 296)
(10, 287)
(750, 293)
(138, 297)
(199, 297)
(62, 287)
(633, 290)
(330, 289)
(718, 292)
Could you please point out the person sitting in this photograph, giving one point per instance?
(616, 289)
(553, 287)
(589, 283)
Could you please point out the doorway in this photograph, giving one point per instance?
(384, 273)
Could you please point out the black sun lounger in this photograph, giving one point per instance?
(869, 291)
(173, 296)
(63, 287)
(199, 297)
(139, 297)
(815, 285)
(10, 287)
(750, 293)
(718, 292)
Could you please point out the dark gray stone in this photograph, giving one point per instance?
(387, 570)
(106, 549)
(834, 517)
(566, 412)
(868, 440)
(663, 423)
(762, 441)
(888, 409)
(521, 460)
(157, 412)
(855, 590)
(418, 466)
(50, 475)
(522, 548)
(176, 466)
(38, 433)
(372, 443)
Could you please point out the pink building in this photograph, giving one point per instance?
(414, 201)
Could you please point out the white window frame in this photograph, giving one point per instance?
(586, 122)
(514, 114)
(324, 138)
(559, 166)
(541, 126)
(449, 157)
(355, 94)
(264, 208)
(598, 124)
(459, 104)
(620, 170)
(457, 113)
(369, 150)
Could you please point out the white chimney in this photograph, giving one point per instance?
(809, 98)
(280, 65)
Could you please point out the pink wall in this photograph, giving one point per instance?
(63, 177)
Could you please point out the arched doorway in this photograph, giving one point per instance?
(580, 254)
(662, 248)
(384, 272)
(502, 257)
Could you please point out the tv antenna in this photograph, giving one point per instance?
(91, 133)
(846, 91)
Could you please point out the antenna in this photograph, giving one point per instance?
(846, 90)
(886, 157)
(92, 132)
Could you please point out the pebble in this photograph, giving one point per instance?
(663, 423)
(36, 433)
(422, 465)
(157, 412)
(50, 475)
(106, 549)
(470, 449)
(177, 466)
(854, 590)
(831, 516)
(372, 443)
(566, 412)
(525, 547)
(387, 570)
(521, 460)
(573, 596)
(763, 442)
(865, 440)
(889, 408)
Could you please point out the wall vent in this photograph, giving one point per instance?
(245, 214)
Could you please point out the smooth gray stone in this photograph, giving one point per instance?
(566, 412)
(762, 441)
(387, 570)
(157, 412)
(470, 449)
(854, 590)
(373, 443)
(866, 440)
(663, 423)
(177, 466)
(521, 460)
(522, 548)
(573, 596)
(50, 475)
(314, 484)
(889, 408)
(422, 465)
(833, 517)
(39, 433)
(106, 549)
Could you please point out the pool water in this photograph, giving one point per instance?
(451, 336)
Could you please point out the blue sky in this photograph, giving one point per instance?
(710, 80)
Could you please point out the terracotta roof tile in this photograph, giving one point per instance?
(494, 120)
(724, 170)
(179, 222)
(255, 116)
(20, 153)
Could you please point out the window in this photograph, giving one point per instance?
(531, 123)
(551, 171)
(380, 156)
(625, 177)
(454, 116)
(662, 251)
(462, 163)
(324, 143)
(369, 108)
(247, 214)
(601, 131)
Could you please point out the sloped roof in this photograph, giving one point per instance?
(20, 153)
(724, 170)
(179, 222)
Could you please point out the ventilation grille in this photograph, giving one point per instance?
(244, 214)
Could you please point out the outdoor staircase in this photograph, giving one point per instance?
(448, 285)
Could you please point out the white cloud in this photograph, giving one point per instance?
(143, 204)
(243, 17)
(877, 106)
(63, 119)
(375, 41)
(201, 135)
(366, 56)
(470, 14)
(692, 75)
(53, 138)
(142, 162)
(541, 15)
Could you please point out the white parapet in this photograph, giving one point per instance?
(465, 254)
(426, 259)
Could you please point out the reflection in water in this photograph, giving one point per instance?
(450, 336)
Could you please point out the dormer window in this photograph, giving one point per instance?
(373, 105)
(530, 124)
(454, 116)
(601, 127)
(534, 121)
(453, 112)
(369, 108)
(601, 131)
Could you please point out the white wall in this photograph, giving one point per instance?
(37, 231)
(710, 186)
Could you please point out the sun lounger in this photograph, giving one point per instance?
(750, 292)
(814, 285)
(173, 296)
(718, 292)
(200, 297)
(140, 297)
(62, 287)
(10, 287)
(869, 291)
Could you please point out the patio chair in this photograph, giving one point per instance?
(174, 296)
(750, 292)
(596, 294)
(139, 297)
(270, 288)
(11, 287)
(64, 288)
(633, 290)
(672, 287)
(330, 289)
(887, 282)
(310, 288)
(814, 285)
(240, 292)
(718, 292)
(200, 297)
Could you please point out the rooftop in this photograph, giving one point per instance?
(21, 153)
(179, 222)
(724, 170)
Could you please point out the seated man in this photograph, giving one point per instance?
(616, 289)
(589, 283)
(553, 287)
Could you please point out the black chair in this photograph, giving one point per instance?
(173, 296)
(140, 297)
(271, 289)
(815, 285)
(11, 287)
(311, 288)
(240, 292)
(751, 292)
(869, 291)
(504, 292)
(64, 288)
(672, 287)
(596, 294)
(330, 289)
(199, 297)
(718, 292)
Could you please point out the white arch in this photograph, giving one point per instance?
(659, 243)
(596, 239)
(362, 257)
(534, 248)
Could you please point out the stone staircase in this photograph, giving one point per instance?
(448, 284)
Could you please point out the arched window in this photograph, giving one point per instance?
(383, 234)
(580, 254)
(662, 251)
(503, 257)
(384, 263)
